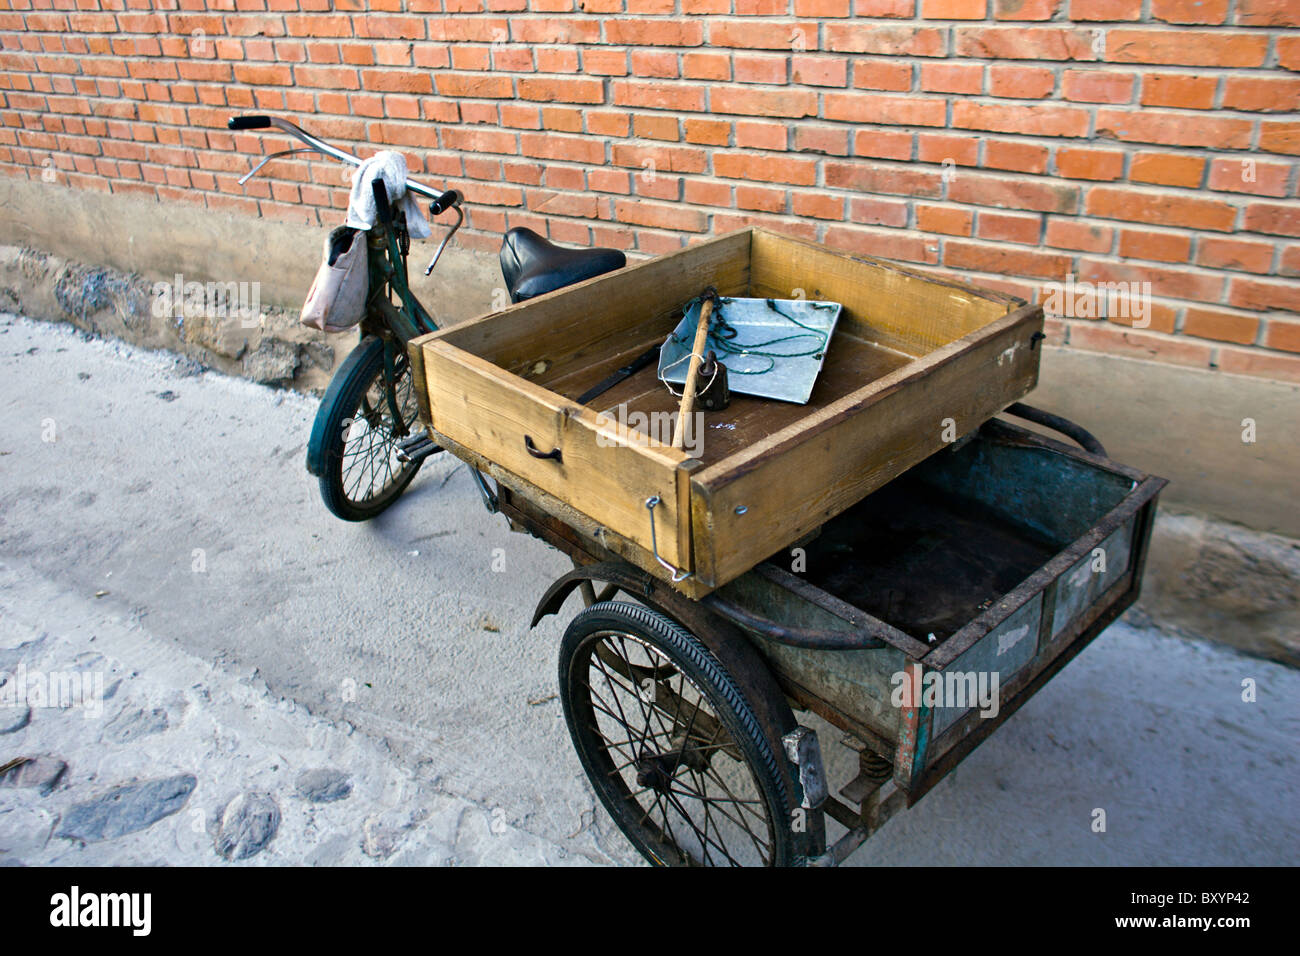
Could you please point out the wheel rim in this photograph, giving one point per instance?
(369, 466)
(671, 770)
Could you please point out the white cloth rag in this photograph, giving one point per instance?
(361, 203)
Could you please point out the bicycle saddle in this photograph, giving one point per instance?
(532, 265)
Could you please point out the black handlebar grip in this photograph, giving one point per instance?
(248, 122)
(451, 197)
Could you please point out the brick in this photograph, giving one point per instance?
(1098, 86)
(709, 193)
(827, 140)
(952, 77)
(1179, 91)
(706, 66)
(819, 71)
(1290, 261)
(1167, 169)
(761, 198)
(883, 242)
(882, 144)
(1026, 9)
(1073, 234)
(1261, 295)
(761, 135)
(948, 220)
(706, 131)
(979, 257)
(1212, 12)
(1221, 326)
(667, 159)
(1139, 344)
(948, 151)
(875, 178)
(1279, 137)
(1021, 82)
(658, 95)
(660, 215)
(1282, 334)
(1267, 13)
(1238, 255)
(1186, 48)
(1261, 94)
(1273, 219)
(559, 89)
(1178, 283)
(605, 62)
(884, 40)
(954, 9)
(654, 63)
(884, 8)
(760, 35)
(782, 169)
(1160, 209)
(653, 126)
(889, 110)
(1007, 227)
(1013, 193)
(1034, 120)
(751, 102)
(818, 205)
(882, 75)
(1261, 364)
(1096, 164)
(1156, 246)
(878, 212)
(1099, 10)
(1174, 129)
(1024, 43)
(1249, 175)
(1015, 155)
(760, 68)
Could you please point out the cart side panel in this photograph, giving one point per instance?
(606, 472)
(791, 483)
(899, 308)
(1081, 603)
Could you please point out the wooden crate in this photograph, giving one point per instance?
(914, 361)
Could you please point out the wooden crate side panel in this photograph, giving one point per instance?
(607, 315)
(601, 474)
(883, 302)
(798, 481)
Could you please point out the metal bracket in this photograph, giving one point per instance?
(489, 499)
(678, 575)
(805, 752)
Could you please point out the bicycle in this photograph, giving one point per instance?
(366, 446)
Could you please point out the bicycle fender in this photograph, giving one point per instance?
(319, 439)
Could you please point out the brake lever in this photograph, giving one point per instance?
(460, 220)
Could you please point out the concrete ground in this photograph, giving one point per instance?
(157, 526)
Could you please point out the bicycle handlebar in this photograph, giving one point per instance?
(441, 201)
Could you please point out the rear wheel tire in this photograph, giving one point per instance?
(360, 473)
(670, 742)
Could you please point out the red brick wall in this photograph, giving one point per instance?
(1012, 142)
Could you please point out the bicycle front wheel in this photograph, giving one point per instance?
(360, 425)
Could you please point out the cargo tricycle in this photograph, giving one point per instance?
(892, 556)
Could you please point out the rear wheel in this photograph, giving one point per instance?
(361, 426)
(670, 742)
